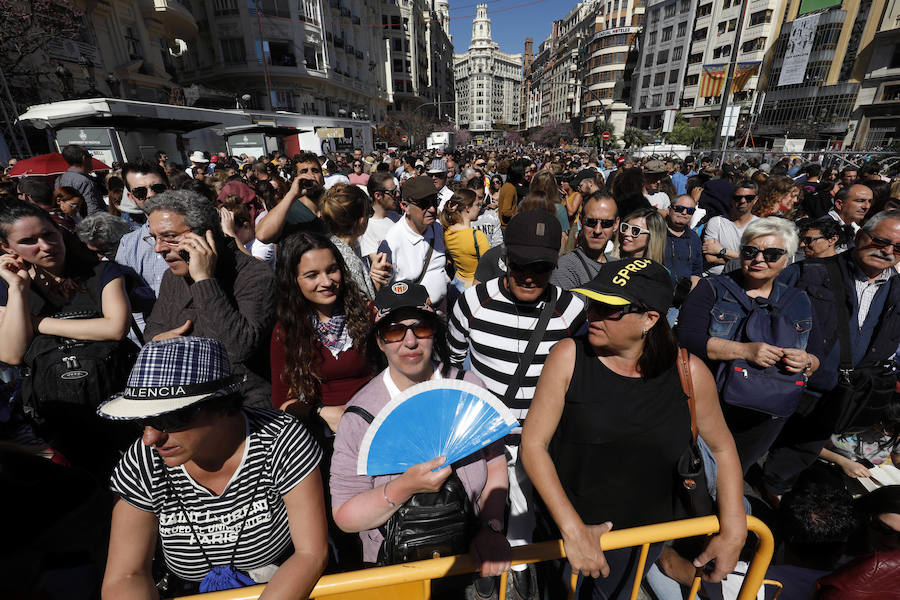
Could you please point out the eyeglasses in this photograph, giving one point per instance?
(141, 192)
(592, 223)
(770, 255)
(605, 312)
(396, 332)
(684, 209)
(168, 239)
(173, 421)
(882, 243)
(536, 267)
(632, 230)
(743, 198)
(808, 240)
(425, 203)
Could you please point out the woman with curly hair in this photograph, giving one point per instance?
(779, 197)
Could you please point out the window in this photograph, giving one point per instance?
(654, 16)
(677, 52)
(760, 17)
(133, 41)
(669, 10)
(646, 83)
(670, 99)
(691, 80)
(663, 57)
(233, 51)
(682, 29)
(643, 102)
(272, 8)
(656, 100)
(652, 39)
(667, 34)
(397, 45)
(282, 100)
(722, 51)
(704, 11)
(673, 76)
(648, 60)
(895, 59)
(659, 79)
(398, 65)
(684, 6)
(754, 45)
(700, 34)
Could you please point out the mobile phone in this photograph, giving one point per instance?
(185, 256)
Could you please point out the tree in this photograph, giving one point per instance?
(552, 134)
(513, 139)
(700, 136)
(633, 137)
(463, 137)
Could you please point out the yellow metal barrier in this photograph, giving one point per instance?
(412, 580)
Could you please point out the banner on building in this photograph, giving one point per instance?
(712, 80)
(799, 46)
(743, 72)
(811, 5)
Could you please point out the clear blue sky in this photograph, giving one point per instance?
(511, 22)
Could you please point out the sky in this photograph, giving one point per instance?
(511, 21)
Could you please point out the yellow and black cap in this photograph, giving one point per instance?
(639, 281)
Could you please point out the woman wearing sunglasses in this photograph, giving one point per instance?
(233, 494)
(596, 458)
(642, 234)
(412, 337)
(712, 318)
(822, 237)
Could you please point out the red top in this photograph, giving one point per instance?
(343, 376)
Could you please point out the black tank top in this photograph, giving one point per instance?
(618, 442)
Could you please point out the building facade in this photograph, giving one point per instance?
(816, 98)
(488, 83)
(658, 81)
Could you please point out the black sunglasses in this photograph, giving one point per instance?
(535, 267)
(743, 197)
(394, 192)
(770, 255)
(591, 223)
(141, 192)
(607, 312)
(684, 209)
(882, 243)
(425, 203)
(808, 239)
(173, 421)
(396, 332)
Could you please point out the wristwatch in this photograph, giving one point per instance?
(721, 253)
(494, 525)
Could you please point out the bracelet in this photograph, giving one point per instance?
(384, 494)
(808, 367)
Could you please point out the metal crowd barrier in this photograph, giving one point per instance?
(413, 580)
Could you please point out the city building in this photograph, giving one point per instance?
(875, 121)
(488, 83)
(527, 59)
(712, 38)
(817, 69)
(659, 76)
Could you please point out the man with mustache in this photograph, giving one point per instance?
(599, 220)
(871, 292)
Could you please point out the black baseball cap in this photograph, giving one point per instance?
(401, 294)
(533, 236)
(581, 176)
(638, 281)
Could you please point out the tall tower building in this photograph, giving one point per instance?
(488, 83)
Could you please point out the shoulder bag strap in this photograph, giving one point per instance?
(363, 413)
(687, 384)
(425, 264)
(516, 382)
(475, 239)
(584, 263)
(839, 288)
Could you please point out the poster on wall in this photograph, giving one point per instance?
(799, 46)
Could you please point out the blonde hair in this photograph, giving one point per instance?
(343, 206)
(656, 245)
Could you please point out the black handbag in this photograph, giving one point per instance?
(862, 394)
(691, 483)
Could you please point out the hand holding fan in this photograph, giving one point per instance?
(446, 417)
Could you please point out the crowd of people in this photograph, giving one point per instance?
(192, 354)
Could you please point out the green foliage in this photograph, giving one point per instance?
(702, 136)
(634, 137)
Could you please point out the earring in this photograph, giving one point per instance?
(643, 333)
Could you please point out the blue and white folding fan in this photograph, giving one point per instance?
(447, 417)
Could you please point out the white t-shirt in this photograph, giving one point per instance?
(375, 232)
(659, 200)
(727, 233)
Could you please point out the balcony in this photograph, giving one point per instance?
(175, 16)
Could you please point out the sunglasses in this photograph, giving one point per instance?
(808, 240)
(396, 332)
(882, 243)
(425, 203)
(394, 192)
(141, 192)
(743, 198)
(605, 312)
(592, 223)
(536, 267)
(688, 210)
(632, 230)
(173, 421)
(770, 255)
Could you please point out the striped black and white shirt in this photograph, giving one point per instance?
(278, 454)
(495, 331)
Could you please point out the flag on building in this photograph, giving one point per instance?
(743, 72)
(712, 80)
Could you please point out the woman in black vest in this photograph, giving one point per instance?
(608, 459)
(46, 273)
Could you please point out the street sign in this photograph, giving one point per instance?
(404, 138)
(605, 135)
